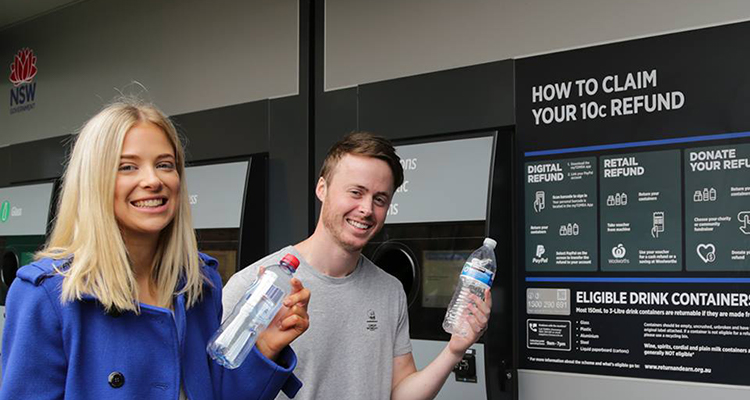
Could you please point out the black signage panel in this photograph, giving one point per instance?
(652, 279)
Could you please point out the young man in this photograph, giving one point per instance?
(340, 356)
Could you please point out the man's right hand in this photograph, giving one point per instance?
(290, 322)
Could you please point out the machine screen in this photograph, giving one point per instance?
(221, 244)
(441, 270)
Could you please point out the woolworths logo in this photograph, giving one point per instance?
(5, 211)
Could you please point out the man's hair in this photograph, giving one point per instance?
(363, 144)
(86, 231)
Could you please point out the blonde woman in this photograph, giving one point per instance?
(120, 304)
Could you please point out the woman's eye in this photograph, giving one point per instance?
(126, 167)
(166, 165)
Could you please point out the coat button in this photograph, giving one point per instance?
(116, 379)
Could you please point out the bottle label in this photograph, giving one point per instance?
(478, 273)
(265, 282)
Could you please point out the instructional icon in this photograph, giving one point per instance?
(617, 199)
(658, 226)
(707, 252)
(707, 194)
(619, 251)
(744, 218)
(569, 230)
(540, 250)
(539, 201)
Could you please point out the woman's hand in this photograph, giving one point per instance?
(290, 322)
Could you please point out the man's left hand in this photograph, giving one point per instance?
(476, 318)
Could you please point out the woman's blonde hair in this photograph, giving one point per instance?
(86, 231)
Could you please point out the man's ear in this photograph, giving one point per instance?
(321, 188)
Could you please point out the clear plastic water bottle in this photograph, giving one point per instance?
(476, 277)
(234, 339)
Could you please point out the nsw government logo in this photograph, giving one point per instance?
(22, 72)
(372, 321)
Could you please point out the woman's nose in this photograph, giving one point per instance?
(150, 180)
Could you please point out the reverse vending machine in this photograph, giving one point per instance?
(229, 202)
(437, 217)
(25, 213)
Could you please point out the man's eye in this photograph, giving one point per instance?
(380, 201)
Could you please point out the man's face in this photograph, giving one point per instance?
(355, 200)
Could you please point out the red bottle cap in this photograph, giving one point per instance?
(291, 260)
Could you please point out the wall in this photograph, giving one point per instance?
(231, 71)
(190, 56)
(368, 41)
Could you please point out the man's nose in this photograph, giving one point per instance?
(365, 206)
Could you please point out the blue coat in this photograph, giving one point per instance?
(77, 351)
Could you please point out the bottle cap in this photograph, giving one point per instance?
(491, 243)
(291, 260)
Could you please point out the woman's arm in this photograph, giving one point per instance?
(34, 359)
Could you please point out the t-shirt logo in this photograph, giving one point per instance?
(372, 321)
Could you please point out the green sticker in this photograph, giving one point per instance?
(4, 211)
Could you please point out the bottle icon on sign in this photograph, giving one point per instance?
(707, 194)
(617, 199)
(571, 229)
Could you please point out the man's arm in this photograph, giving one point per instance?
(410, 384)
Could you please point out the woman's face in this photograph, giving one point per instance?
(147, 187)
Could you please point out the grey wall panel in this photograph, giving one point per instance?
(38, 160)
(335, 116)
(190, 55)
(369, 41)
(225, 132)
(289, 182)
(5, 173)
(475, 97)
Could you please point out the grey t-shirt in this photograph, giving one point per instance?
(358, 324)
